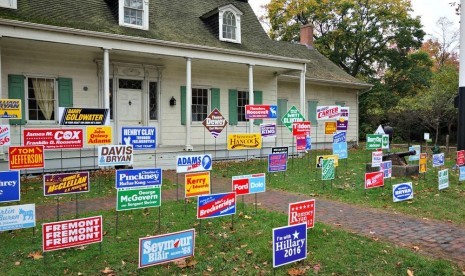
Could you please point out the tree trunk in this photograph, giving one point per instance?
(437, 134)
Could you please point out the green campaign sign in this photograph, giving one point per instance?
(328, 171)
(377, 141)
(128, 199)
(292, 115)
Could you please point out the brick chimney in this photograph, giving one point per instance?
(306, 35)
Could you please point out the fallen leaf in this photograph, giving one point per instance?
(81, 247)
(316, 268)
(247, 217)
(192, 263)
(249, 252)
(375, 238)
(18, 263)
(123, 263)
(80, 274)
(209, 268)
(409, 272)
(416, 248)
(35, 255)
(243, 245)
(295, 272)
(180, 263)
(107, 270)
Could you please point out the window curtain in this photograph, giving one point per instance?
(43, 92)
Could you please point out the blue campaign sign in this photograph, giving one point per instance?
(462, 174)
(138, 178)
(140, 138)
(17, 216)
(438, 160)
(339, 137)
(386, 168)
(166, 248)
(217, 205)
(401, 192)
(277, 162)
(308, 142)
(257, 183)
(289, 244)
(194, 163)
(341, 150)
(9, 186)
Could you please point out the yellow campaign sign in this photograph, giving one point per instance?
(197, 184)
(319, 160)
(423, 162)
(10, 109)
(99, 135)
(330, 128)
(244, 141)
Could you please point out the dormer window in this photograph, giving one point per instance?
(134, 14)
(230, 24)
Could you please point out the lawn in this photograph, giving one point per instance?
(222, 248)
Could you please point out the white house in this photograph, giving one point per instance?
(136, 56)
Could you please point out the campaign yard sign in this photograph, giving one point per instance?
(302, 211)
(328, 171)
(376, 158)
(134, 178)
(215, 123)
(197, 184)
(194, 163)
(268, 130)
(327, 112)
(280, 150)
(423, 162)
(417, 149)
(99, 135)
(330, 128)
(443, 179)
(320, 158)
(111, 155)
(217, 205)
(66, 183)
(377, 141)
(340, 137)
(261, 111)
(301, 128)
(248, 184)
(10, 186)
(289, 244)
(138, 198)
(71, 233)
(141, 138)
(277, 162)
(26, 157)
(386, 168)
(166, 248)
(291, 116)
(460, 157)
(343, 122)
(5, 135)
(10, 109)
(340, 149)
(17, 217)
(83, 116)
(462, 174)
(403, 191)
(438, 160)
(374, 179)
(50, 138)
(301, 142)
(240, 141)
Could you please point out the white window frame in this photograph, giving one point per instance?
(237, 14)
(145, 16)
(247, 99)
(55, 98)
(209, 95)
(10, 4)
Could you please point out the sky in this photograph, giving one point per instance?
(429, 11)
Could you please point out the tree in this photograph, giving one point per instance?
(357, 35)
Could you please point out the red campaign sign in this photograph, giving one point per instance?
(374, 179)
(301, 128)
(303, 211)
(26, 157)
(301, 142)
(69, 138)
(460, 157)
(260, 111)
(241, 186)
(71, 233)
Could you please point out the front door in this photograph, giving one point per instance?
(129, 108)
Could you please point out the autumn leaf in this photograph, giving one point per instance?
(81, 247)
(243, 245)
(416, 248)
(409, 272)
(123, 263)
(18, 263)
(295, 272)
(180, 263)
(209, 268)
(316, 268)
(107, 270)
(249, 252)
(247, 217)
(192, 263)
(35, 255)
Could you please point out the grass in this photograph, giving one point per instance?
(221, 249)
(302, 177)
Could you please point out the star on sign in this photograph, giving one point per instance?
(296, 234)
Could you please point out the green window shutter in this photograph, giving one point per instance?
(257, 99)
(16, 91)
(65, 92)
(282, 109)
(232, 107)
(215, 98)
(342, 104)
(312, 112)
(183, 105)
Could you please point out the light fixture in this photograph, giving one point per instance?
(172, 101)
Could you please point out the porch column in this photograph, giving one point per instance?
(106, 78)
(188, 104)
(302, 91)
(251, 94)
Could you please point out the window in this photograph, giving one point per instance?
(134, 13)
(242, 100)
(199, 104)
(153, 101)
(41, 99)
(12, 4)
(111, 99)
(130, 84)
(312, 105)
(282, 110)
(230, 24)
